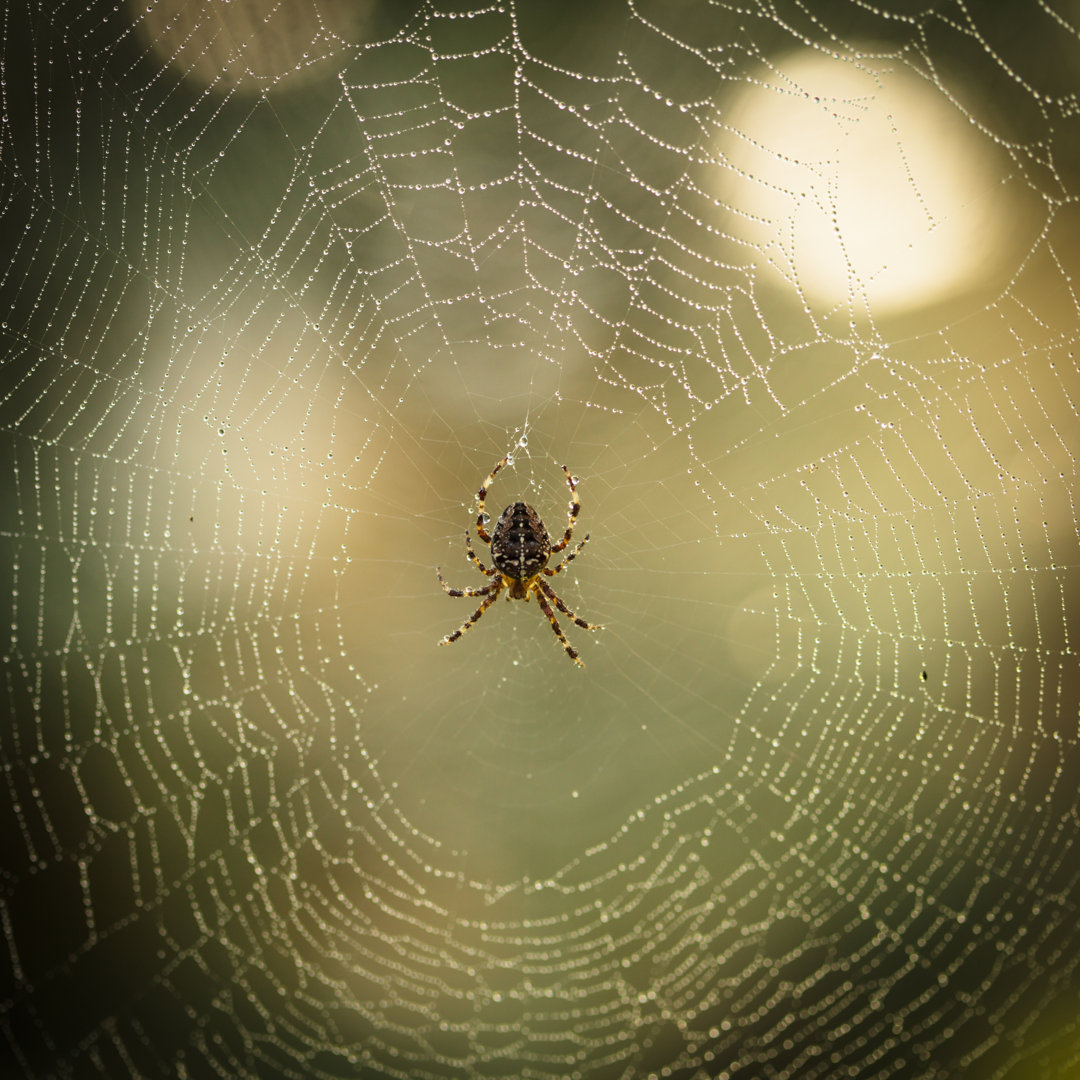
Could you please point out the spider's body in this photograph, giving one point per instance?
(520, 550)
(520, 547)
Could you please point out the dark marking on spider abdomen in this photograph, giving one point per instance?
(520, 545)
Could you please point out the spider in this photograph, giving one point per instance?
(520, 549)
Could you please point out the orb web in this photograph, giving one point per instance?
(790, 290)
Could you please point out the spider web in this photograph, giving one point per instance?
(790, 288)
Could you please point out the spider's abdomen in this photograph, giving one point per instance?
(520, 545)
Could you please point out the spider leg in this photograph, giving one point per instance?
(472, 555)
(549, 592)
(493, 593)
(571, 515)
(570, 650)
(551, 571)
(481, 495)
(460, 592)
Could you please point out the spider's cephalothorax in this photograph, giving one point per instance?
(520, 550)
(520, 547)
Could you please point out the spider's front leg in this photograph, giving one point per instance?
(481, 495)
(472, 555)
(572, 513)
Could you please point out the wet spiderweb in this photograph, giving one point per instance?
(790, 287)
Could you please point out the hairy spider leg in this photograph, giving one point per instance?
(481, 495)
(546, 607)
(461, 592)
(549, 592)
(493, 595)
(571, 515)
(551, 571)
(472, 555)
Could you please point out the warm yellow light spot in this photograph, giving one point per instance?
(864, 186)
